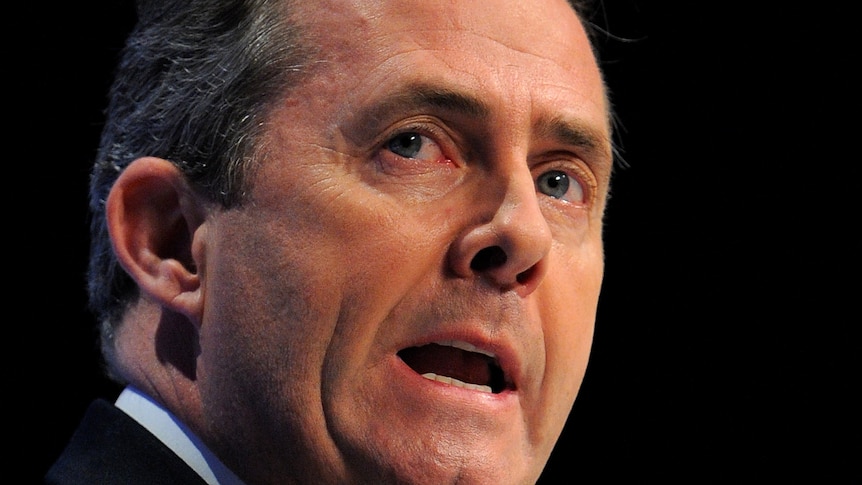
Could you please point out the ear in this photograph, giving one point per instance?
(154, 220)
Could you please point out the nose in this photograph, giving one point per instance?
(509, 245)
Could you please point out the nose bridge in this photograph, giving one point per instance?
(510, 244)
(519, 223)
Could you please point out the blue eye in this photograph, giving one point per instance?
(558, 185)
(407, 145)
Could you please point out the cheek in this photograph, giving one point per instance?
(568, 330)
(389, 253)
(268, 300)
(321, 269)
(569, 313)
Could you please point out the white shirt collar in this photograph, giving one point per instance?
(173, 433)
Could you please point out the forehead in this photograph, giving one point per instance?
(531, 21)
(357, 29)
(506, 52)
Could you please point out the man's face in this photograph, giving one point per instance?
(411, 291)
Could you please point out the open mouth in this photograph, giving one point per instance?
(457, 363)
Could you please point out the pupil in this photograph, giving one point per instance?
(407, 140)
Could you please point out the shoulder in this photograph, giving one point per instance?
(109, 447)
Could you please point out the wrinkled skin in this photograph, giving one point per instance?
(431, 132)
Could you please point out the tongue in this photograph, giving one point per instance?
(469, 367)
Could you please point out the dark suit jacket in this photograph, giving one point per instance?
(111, 448)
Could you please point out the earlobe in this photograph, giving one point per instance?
(153, 219)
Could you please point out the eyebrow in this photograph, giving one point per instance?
(595, 146)
(569, 132)
(417, 97)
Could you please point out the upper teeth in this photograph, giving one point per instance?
(459, 344)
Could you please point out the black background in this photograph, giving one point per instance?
(726, 347)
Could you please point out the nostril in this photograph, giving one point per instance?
(524, 276)
(488, 258)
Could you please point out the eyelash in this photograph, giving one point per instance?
(428, 130)
(424, 141)
(574, 171)
(390, 161)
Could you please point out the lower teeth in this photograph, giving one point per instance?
(455, 382)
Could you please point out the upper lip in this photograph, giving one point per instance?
(460, 344)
